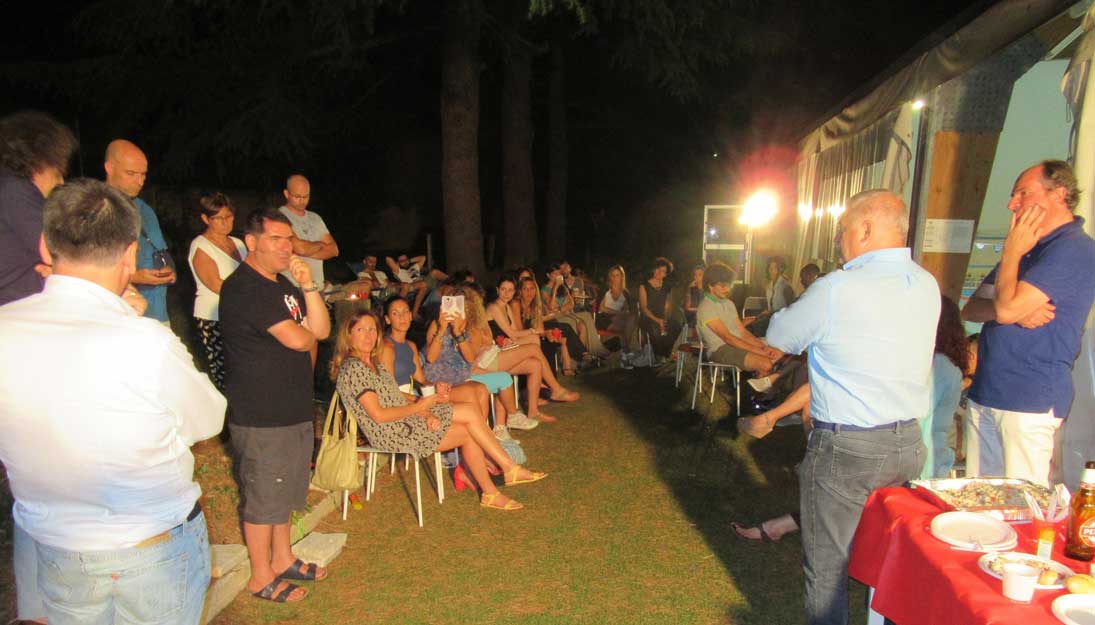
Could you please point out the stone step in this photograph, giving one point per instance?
(320, 548)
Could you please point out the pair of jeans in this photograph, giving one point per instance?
(160, 584)
(840, 470)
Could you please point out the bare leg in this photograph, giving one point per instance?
(472, 393)
(760, 425)
(420, 294)
(471, 455)
(260, 540)
(510, 357)
(467, 416)
(568, 364)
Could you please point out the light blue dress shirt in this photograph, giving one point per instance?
(870, 329)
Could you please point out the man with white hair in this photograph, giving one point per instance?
(870, 332)
(1034, 304)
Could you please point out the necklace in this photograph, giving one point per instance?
(225, 245)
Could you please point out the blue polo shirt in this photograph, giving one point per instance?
(146, 247)
(1031, 370)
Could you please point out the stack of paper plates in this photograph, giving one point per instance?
(972, 530)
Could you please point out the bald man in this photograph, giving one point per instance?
(1034, 304)
(870, 331)
(126, 169)
(311, 239)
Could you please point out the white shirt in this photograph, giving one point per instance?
(309, 227)
(98, 409)
(206, 302)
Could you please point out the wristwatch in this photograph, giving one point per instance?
(309, 289)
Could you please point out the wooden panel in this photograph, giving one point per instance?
(960, 169)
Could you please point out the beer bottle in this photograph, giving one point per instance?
(1081, 520)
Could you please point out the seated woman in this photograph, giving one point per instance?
(559, 303)
(556, 338)
(501, 319)
(447, 362)
(515, 358)
(617, 311)
(214, 255)
(578, 347)
(656, 307)
(389, 419)
(694, 294)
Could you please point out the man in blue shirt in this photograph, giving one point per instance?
(126, 168)
(1033, 304)
(870, 331)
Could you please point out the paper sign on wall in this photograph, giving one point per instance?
(948, 236)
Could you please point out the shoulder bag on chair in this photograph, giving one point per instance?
(337, 467)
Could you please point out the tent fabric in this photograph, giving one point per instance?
(877, 157)
(997, 27)
(1078, 432)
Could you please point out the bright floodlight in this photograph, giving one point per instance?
(805, 211)
(759, 209)
(918, 104)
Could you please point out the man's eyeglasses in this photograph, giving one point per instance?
(299, 197)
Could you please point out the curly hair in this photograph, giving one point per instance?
(31, 141)
(473, 308)
(950, 335)
(343, 350)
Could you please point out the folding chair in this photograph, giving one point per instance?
(370, 477)
(716, 369)
(754, 306)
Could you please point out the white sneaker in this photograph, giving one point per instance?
(502, 433)
(760, 384)
(521, 421)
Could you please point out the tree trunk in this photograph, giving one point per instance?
(518, 191)
(460, 137)
(556, 213)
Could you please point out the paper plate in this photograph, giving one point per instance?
(1075, 609)
(970, 530)
(986, 561)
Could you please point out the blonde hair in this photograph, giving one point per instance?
(537, 304)
(623, 276)
(344, 350)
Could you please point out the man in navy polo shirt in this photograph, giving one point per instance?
(1034, 304)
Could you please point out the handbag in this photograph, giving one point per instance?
(337, 467)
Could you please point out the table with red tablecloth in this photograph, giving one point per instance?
(920, 580)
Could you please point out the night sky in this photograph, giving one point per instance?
(236, 95)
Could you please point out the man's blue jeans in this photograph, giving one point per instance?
(161, 584)
(838, 473)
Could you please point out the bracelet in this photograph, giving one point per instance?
(310, 289)
(462, 338)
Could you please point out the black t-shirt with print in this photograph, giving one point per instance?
(267, 384)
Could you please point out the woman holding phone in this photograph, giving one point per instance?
(392, 419)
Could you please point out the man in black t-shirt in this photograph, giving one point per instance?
(269, 328)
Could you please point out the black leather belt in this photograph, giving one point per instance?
(844, 427)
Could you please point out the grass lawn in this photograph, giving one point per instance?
(630, 527)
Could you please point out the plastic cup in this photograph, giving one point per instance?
(426, 390)
(1045, 533)
(1019, 581)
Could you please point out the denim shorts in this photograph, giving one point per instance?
(160, 584)
(274, 470)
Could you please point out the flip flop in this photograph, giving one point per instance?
(307, 575)
(267, 593)
(544, 418)
(739, 530)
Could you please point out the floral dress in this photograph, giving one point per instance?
(355, 378)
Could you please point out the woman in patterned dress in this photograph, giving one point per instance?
(390, 419)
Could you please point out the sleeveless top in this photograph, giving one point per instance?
(404, 360)
(206, 302)
(655, 298)
(450, 366)
(615, 304)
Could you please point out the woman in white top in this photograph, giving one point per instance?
(214, 255)
(617, 314)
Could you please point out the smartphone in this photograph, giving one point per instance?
(453, 305)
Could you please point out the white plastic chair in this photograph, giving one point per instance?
(716, 368)
(370, 477)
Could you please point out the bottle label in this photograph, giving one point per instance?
(1087, 478)
(1087, 532)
